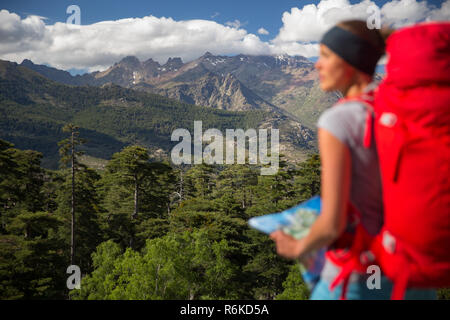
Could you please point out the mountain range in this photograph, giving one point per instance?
(125, 103)
(235, 83)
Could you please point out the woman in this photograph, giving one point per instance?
(350, 173)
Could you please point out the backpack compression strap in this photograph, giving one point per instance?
(359, 259)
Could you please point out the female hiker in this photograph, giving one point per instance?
(350, 181)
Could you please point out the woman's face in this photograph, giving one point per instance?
(334, 72)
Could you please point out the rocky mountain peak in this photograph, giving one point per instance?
(207, 55)
(51, 73)
(130, 62)
(173, 64)
(150, 62)
(151, 68)
(27, 63)
(292, 61)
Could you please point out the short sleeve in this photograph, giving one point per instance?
(345, 122)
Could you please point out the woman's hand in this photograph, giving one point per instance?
(291, 248)
(287, 246)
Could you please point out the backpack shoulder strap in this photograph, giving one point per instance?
(367, 99)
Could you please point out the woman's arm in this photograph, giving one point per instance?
(335, 182)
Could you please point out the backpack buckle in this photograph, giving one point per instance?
(388, 119)
(389, 242)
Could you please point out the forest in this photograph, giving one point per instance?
(143, 229)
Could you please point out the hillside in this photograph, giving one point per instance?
(237, 83)
(34, 109)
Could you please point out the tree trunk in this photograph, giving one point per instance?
(181, 185)
(136, 198)
(136, 207)
(72, 245)
(156, 280)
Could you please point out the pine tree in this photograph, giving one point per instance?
(69, 157)
(30, 250)
(200, 181)
(235, 186)
(136, 195)
(307, 178)
(131, 165)
(87, 215)
(9, 175)
(32, 264)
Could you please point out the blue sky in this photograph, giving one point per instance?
(221, 27)
(253, 14)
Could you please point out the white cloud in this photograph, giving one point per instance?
(309, 23)
(440, 14)
(98, 46)
(235, 24)
(25, 33)
(263, 31)
(399, 13)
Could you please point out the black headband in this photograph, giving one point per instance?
(356, 51)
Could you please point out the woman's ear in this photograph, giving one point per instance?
(349, 78)
(351, 73)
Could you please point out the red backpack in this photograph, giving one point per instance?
(412, 133)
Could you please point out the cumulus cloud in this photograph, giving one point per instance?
(99, 45)
(263, 31)
(440, 14)
(23, 33)
(308, 24)
(399, 13)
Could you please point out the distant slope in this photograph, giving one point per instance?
(33, 110)
(240, 82)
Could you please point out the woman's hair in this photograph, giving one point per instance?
(376, 37)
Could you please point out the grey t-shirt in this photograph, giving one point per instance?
(347, 122)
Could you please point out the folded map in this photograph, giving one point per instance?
(296, 221)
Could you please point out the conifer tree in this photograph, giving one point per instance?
(69, 157)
